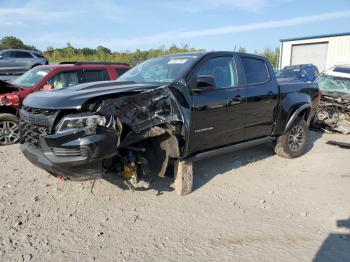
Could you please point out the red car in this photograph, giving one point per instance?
(45, 78)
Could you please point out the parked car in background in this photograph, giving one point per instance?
(297, 73)
(19, 61)
(166, 112)
(334, 110)
(45, 78)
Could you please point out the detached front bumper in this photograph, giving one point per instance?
(77, 155)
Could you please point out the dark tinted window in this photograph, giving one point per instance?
(22, 55)
(95, 75)
(6, 54)
(39, 55)
(255, 70)
(121, 71)
(222, 69)
(311, 71)
(304, 72)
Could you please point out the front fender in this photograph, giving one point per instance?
(291, 106)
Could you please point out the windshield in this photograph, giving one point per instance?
(288, 73)
(162, 71)
(334, 84)
(32, 77)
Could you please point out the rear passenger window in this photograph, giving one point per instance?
(39, 55)
(22, 55)
(311, 72)
(121, 71)
(255, 70)
(95, 75)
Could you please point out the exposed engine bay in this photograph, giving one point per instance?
(333, 114)
(148, 128)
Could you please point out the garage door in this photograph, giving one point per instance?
(310, 54)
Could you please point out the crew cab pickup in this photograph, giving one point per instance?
(47, 77)
(166, 112)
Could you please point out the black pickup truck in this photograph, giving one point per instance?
(166, 112)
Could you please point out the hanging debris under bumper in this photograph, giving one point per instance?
(333, 114)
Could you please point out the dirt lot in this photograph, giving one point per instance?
(247, 206)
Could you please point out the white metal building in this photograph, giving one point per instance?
(324, 51)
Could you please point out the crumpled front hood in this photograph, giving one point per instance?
(7, 87)
(74, 97)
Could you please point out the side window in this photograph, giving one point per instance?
(121, 71)
(95, 75)
(303, 72)
(64, 79)
(39, 55)
(311, 73)
(7, 55)
(22, 55)
(222, 69)
(255, 70)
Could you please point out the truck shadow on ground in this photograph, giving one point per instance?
(336, 247)
(207, 169)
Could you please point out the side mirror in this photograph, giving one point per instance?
(47, 87)
(204, 83)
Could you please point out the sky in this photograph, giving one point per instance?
(206, 24)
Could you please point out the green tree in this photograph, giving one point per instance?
(272, 55)
(9, 42)
(103, 50)
(242, 49)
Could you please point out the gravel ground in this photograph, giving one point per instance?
(247, 206)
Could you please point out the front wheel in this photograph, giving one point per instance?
(9, 129)
(293, 142)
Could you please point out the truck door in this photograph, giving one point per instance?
(214, 120)
(262, 92)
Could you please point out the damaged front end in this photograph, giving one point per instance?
(9, 95)
(333, 114)
(149, 128)
(133, 135)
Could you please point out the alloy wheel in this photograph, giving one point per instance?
(9, 132)
(296, 138)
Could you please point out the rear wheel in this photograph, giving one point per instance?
(9, 129)
(293, 142)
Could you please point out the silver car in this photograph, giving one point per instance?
(19, 61)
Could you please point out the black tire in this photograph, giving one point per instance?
(9, 129)
(294, 141)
